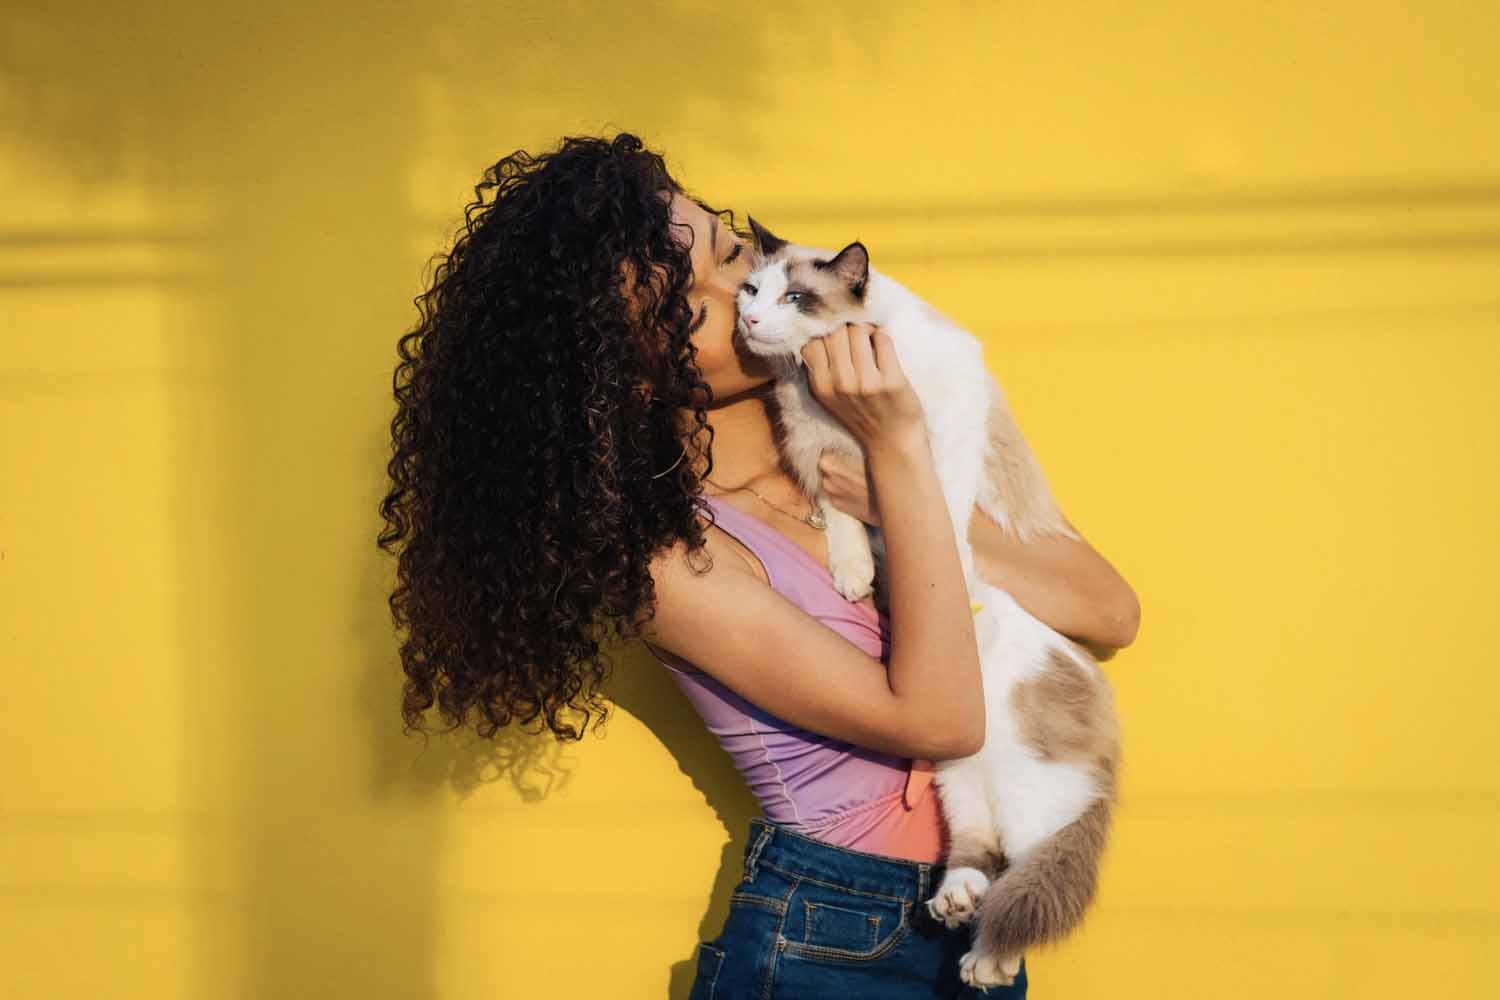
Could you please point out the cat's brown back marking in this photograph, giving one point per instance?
(1065, 714)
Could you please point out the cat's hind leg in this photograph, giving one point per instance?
(974, 857)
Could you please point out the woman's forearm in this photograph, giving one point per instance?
(1063, 582)
(934, 660)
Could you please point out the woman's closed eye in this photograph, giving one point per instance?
(739, 248)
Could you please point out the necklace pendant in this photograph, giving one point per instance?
(816, 519)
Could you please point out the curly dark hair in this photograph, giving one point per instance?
(539, 461)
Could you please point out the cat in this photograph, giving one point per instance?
(1028, 815)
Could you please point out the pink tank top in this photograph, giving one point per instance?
(824, 788)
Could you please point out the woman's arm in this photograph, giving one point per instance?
(927, 701)
(1064, 583)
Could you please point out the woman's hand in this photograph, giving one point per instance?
(853, 372)
(847, 484)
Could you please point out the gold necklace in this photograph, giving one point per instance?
(814, 517)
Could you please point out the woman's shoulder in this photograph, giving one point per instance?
(685, 580)
(724, 551)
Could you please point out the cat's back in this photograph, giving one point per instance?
(943, 362)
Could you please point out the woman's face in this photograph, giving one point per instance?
(721, 260)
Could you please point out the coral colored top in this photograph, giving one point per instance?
(823, 788)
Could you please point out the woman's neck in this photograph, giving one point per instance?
(744, 446)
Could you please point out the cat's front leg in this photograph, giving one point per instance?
(849, 557)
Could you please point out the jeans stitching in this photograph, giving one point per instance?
(871, 919)
(776, 939)
(833, 885)
(903, 928)
(754, 856)
(713, 981)
(774, 905)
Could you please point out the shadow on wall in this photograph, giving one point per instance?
(535, 768)
(640, 685)
(283, 146)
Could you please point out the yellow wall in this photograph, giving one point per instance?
(1237, 265)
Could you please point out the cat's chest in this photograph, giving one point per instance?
(815, 544)
(805, 421)
(809, 539)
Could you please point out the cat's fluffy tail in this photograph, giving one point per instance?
(1042, 897)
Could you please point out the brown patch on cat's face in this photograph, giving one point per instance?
(822, 293)
(1066, 714)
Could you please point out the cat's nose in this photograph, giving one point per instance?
(751, 320)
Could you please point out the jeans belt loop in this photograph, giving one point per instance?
(754, 855)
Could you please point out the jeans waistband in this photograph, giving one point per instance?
(781, 847)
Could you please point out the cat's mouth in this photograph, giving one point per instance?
(760, 344)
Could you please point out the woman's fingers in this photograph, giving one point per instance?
(841, 359)
(847, 360)
(884, 349)
(862, 351)
(854, 373)
(815, 355)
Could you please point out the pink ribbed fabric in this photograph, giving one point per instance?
(824, 788)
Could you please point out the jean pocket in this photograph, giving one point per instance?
(706, 978)
(844, 925)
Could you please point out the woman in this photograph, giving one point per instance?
(571, 404)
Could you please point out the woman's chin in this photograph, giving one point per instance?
(750, 383)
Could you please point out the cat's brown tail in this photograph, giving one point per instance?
(1043, 897)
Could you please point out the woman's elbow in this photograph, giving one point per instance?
(1126, 621)
(1119, 624)
(958, 746)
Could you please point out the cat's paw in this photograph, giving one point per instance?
(956, 898)
(853, 578)
(980, 969)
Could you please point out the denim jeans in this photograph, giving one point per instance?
(813, 920)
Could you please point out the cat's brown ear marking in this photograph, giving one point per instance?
(765, 241)
(852, 265)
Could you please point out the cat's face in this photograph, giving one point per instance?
(795, 293)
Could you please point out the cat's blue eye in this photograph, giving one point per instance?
(792, 296)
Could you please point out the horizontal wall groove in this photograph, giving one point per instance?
(53, 895)
(40, 259)
(46, 281)
(1325, 918)
(1479, 310)
(39, 237)
(1454, 195)
(1480, 240)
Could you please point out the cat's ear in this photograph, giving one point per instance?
(765, 242)
(852, 265)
